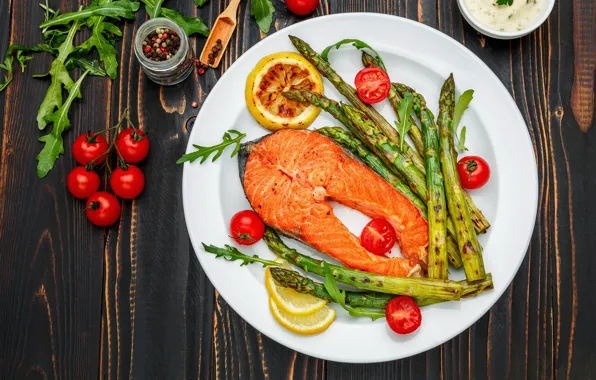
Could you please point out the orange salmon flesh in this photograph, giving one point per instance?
(292, 174)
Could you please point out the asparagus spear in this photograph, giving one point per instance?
(437, 208)
(422, 111)
(355, 146)
(464, 228)
(413, 287)
(350, 93)
(374, 300)
(394, 98)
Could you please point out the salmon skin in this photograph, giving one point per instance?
(289, 177)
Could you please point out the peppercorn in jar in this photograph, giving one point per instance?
(163, 51)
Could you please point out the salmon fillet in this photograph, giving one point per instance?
(290, 176)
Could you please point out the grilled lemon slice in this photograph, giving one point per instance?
(273, 75)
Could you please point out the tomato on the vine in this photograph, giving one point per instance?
(246, 227)
(473, 171)
(133, 145)
(103, 209)
(403, 315)
(90, 147)
(378, 236)
(302, 7)
(127, 181)
(82, 183)
(372, 85)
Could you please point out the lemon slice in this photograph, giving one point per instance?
(290, 300)
(303, 324)
(273, 75)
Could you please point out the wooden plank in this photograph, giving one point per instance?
(51, 257)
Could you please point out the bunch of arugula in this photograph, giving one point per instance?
(59, 30)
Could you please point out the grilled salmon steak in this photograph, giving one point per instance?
(289, 176)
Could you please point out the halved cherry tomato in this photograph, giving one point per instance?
(403, 315)
(89, 147)
(82, 183)
(246, 227)
(127, 181)
(474, 172)
(103, 209)
(302, 7)
(378, 236)
(372, 84)
(132, 145)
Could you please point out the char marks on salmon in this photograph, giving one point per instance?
(290, 176)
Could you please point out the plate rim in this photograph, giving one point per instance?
(534, 188)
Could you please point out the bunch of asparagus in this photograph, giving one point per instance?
(429, 170)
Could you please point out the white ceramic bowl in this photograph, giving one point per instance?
(505, 35)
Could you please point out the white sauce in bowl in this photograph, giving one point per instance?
(505, 18)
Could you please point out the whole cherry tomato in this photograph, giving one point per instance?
(302, 7)
(103, 209)
(89, 147)
(82, 183)
(372, 85)
(403, 315)
(246, 227)
(127, 181)
(133, 145)
(378, 236)
(474, 172)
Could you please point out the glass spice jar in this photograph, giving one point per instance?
(159, 65)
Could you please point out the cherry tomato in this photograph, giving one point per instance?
(302, 7)
(103, 209)
(89, 147)
(373, 85)
(378, 236)
(403, 315)
(127, 182)
(133, 145)
(474, 172)
(246, 227)
(82, 183)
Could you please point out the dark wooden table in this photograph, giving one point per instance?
(131, 301)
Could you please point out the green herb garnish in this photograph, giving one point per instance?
(505, 2)
(358, 45)
(262, 11)
(460, 107)
(230, 253)
(339, 296)
(203, 152)
(404, 109)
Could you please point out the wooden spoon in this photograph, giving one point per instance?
(222, 30)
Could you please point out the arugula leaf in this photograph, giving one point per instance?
(460, 107)
(358, 45)
(7, 65)
(22, 59)
(203, 152)
(262, 11)
(191, 25)
(339, 296)
(92, 66)
(461, 141)
(155, 9)
(54, 145)
(505, 2)
(200, 3)
(115, 10)
(232, 254)
(404, 109)
(60, 76)
(107, 51)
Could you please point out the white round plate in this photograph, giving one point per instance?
(212, 191)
